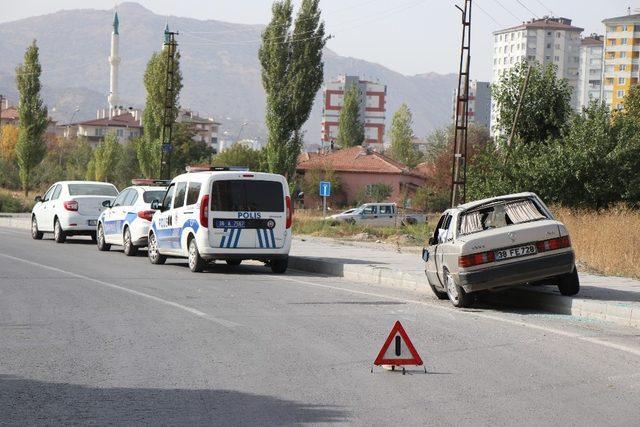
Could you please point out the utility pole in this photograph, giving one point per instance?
(515, 119)
(170, 45)
(459, 168)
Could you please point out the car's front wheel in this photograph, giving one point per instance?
(458, 297)
(58, 233)
(569, 284)
(36, 234)
(129, 248)
(100, 240)
(196, 263)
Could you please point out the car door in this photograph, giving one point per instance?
(369, 215)
(433, 248)
(386, 215)
(45, 219)
(179, 216)
(113, 219)
(164, 224)
(445, 244)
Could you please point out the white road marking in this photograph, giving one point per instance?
(574, 335)
(195, 312)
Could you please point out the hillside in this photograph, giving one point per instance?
(219, 63)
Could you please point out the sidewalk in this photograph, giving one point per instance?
(614, 299)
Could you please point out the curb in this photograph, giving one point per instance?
(21, 223)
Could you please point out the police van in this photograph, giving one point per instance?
(213, 213)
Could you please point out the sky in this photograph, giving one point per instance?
(407, 36)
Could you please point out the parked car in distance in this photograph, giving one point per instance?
(222, 214)
(495, 243)
(70, 208)
(378, 214)
(126, 220)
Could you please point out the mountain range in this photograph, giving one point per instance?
(221, 72)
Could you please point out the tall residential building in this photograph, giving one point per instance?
(591, 69)
(621, 58)
(372, 108)
(479, 111)
(548, 41)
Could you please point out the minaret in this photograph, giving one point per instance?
(114, 61)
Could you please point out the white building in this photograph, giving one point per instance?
(479, 111)
(372, 108)
(548, 41)
(206, 129)
(591, 69)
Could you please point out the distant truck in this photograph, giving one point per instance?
(377, 214)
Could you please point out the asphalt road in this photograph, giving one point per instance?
(89, 337)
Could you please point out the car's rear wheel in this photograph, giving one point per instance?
(154, 255)
(234, 262)
(36, 234)
(100, 240)
(569, 284)
(196, 263)
(129, 248)
(458, 297)
(58, 233)
(279, 266)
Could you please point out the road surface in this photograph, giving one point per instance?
(90, 337)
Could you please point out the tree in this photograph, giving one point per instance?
(105, 158)
(402, 148)
(546, 106)
(149, 145)
(374, 193)
(350, 128)
(292, 73)
(186, 151)
(312, 179)
(127, 167)
(8, 141)
(241, 155)
(30, 148)
(66, 159)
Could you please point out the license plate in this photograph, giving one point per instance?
(230, 223)
(93, 222)
(515, 252)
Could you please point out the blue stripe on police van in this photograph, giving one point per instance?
(230, 236)
(223, 239)
(238, 231)
(273, 238)
(260, 238)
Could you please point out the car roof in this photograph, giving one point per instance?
(84, 182)
(205, 175)
(148, 187)
(474, 204)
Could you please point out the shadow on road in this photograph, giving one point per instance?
(28, 402)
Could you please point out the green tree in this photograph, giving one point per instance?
(311, 183)
(149, 145)
(127, 167)
(292, 73)
(30, 148)
(546, 106)
(105, 159)
(350, 127)
(66, 159)
(402, 147)
(186, 150)
(241, 155)
(374, 193)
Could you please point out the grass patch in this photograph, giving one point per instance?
(15, 202)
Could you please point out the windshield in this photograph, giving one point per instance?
(499, 215)
(247, 196)
(150, 196)
(92, 190)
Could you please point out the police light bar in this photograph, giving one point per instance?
(216, 168)
(151, 181)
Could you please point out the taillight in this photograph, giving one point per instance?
(553, 244)
(289, 212)
(204, 211)
(148, 215)
(475, 259)
(71, 205)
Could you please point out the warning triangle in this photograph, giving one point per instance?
(398, 349)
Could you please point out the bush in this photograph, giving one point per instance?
(374, 193)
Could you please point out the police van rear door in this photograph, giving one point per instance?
(247, 212)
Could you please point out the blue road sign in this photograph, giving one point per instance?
(325, 188)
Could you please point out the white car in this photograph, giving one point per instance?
(223, 214)
(499, 242)
(125, 221)
(377, 214)
(70, 208)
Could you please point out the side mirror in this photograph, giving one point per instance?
(155, 205)
(425, 254)
(38, 198)
(432, 241)
(300, 195)
(106, 203)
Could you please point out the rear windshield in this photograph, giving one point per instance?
(92, 190)
(150, 196)
(500, 215)
(245, 195)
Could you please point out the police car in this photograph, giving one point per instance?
(126, 220)
(215, 213)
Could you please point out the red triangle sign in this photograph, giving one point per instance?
(398, 349)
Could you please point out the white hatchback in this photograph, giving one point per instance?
(70, 208)
(125, 221)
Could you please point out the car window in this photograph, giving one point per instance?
(500, 215)
(181, 192)
(244, 195)
(450, 228)
(56, 192)
(92, 190)
(370, 210)
(119, 201)
(168, 197)
(150, 196)
(193, 192)
(442, 228)
(386, 210)
(131, 198)
(48, 194)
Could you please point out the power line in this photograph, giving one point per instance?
(508, 10)
(545, 7)
(525, 6)
(488, 14)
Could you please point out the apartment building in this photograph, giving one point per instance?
(479, 111)
(591, 69)
(548, 40)
(205, 129)
(372, 97)
(621, 58)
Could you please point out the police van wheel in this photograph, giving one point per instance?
(279, 266)
(154, 255)
(234, 262)
(129, 248)
(100, 241)
(196, 263)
